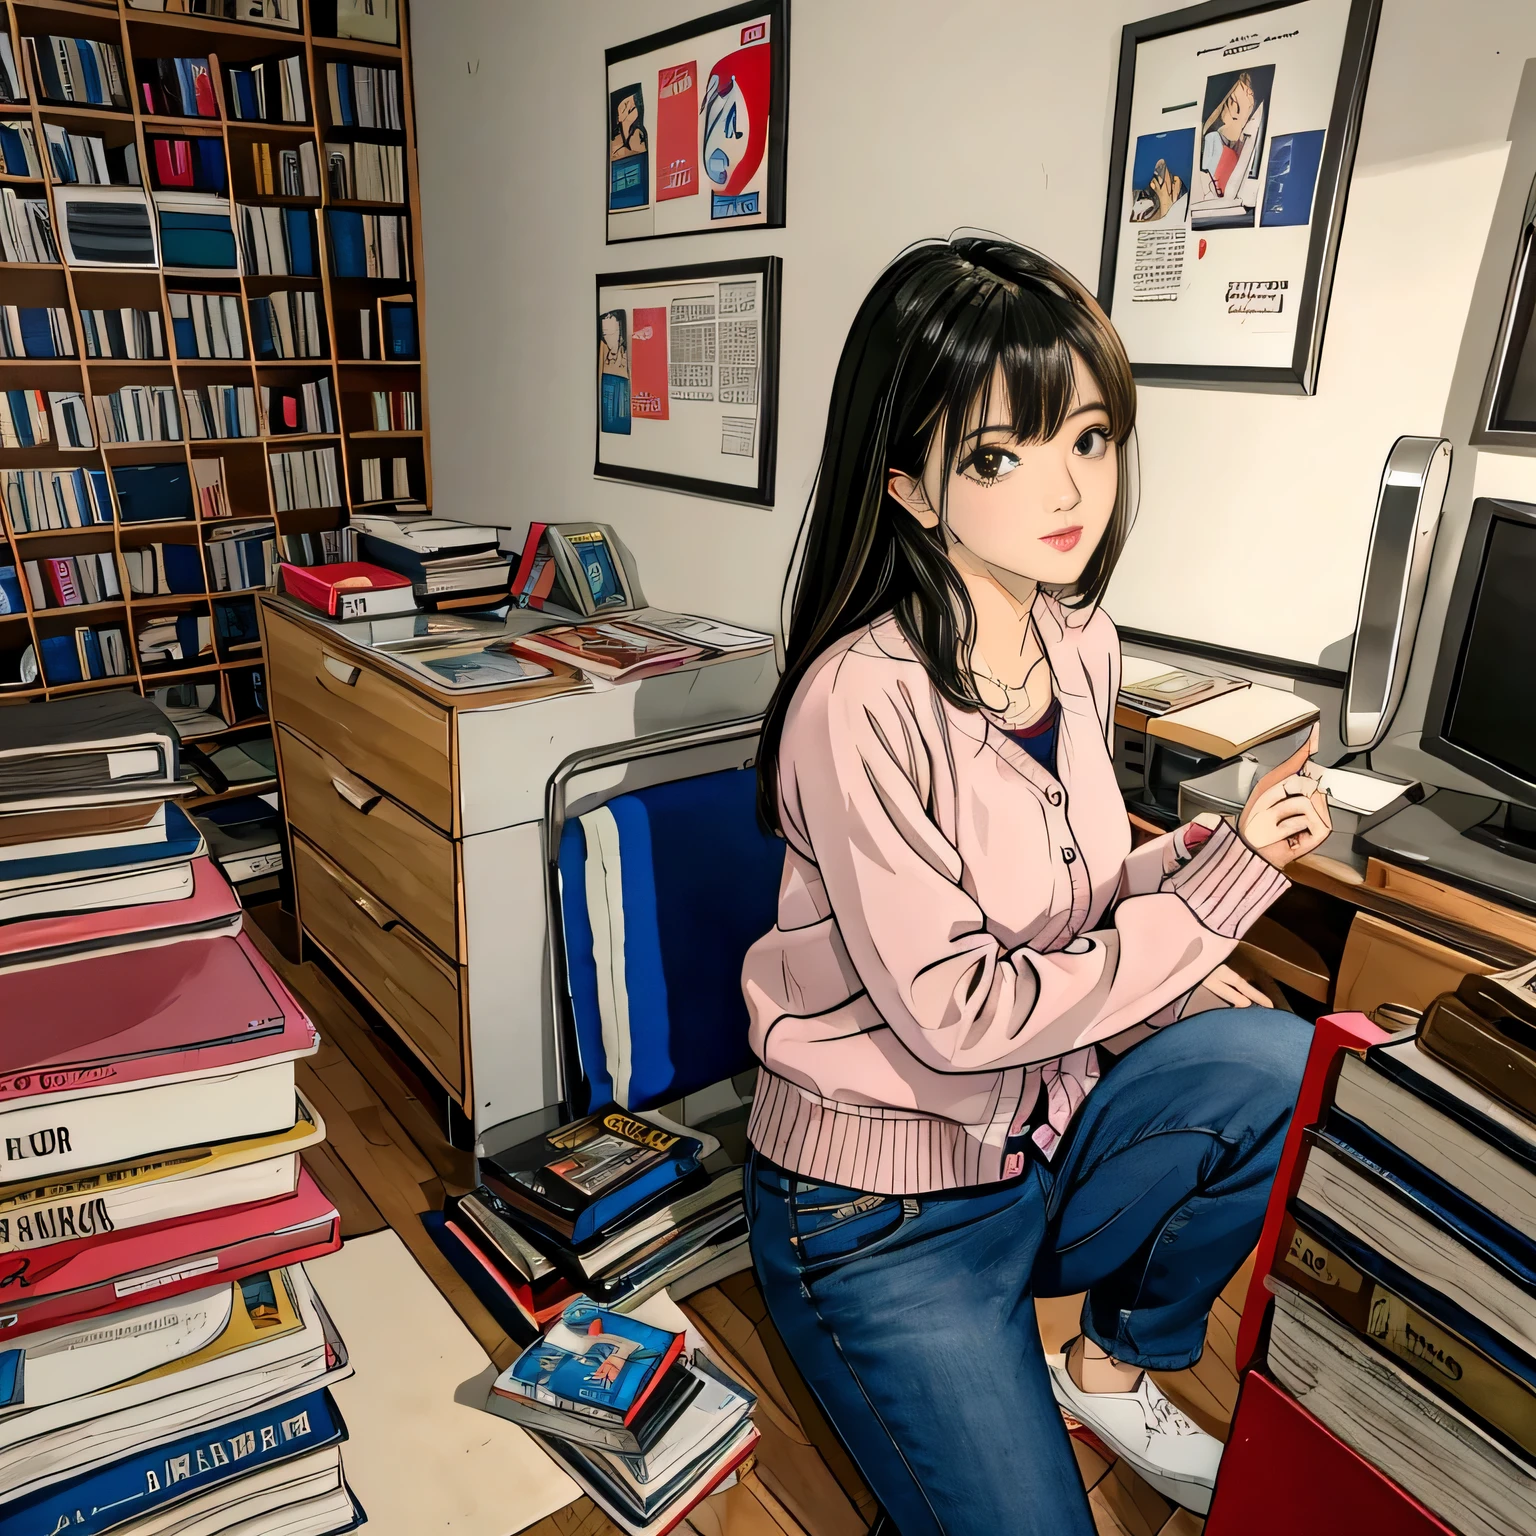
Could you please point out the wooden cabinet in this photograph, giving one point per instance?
(404, 977)
(415, 817)
(383, 731)
(374, 838)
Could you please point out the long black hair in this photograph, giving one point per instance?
(922, 352)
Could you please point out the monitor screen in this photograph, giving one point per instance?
(1491, 708)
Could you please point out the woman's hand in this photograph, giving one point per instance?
(1287, 812)
(1229, 988)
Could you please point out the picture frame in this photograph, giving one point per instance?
(687, 378)
(1506, 412)
(697, 123)
(1235, 129)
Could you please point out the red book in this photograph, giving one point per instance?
(63, 582)
(186, 1010)
(1283, 1472)
(530, 587)
(173, 162)
(542, 1314)
(202, 90)
(327, 587)
(68, 1282)
(210, 911)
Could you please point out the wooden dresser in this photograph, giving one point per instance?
(416, 824)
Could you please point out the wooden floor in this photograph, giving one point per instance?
(385, 1161)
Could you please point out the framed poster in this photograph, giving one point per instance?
(697, 121)
(688, 377)
(1234, 138)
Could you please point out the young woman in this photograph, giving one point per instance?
(949, 1120)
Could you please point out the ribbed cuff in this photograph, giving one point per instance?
(1227, 885)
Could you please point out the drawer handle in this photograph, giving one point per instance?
(344, 672)
(361, 797)
(382, 918)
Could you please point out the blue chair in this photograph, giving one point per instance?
(657, 887)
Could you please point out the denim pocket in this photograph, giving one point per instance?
(830, 1225)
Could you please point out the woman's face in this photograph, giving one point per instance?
(1035, 510)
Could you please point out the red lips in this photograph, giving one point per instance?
(1063, 541)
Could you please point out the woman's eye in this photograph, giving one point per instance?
(989, 465)
(1093, 444)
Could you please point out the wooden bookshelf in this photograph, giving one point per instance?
(144, 34)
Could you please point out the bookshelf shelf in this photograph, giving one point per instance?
(248, 461)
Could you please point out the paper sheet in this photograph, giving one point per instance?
(1359, 791)
(422, 1454)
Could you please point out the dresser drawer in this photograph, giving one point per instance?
(391, 852)
(390, 736)
(401, 974)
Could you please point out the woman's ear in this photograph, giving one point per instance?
(910, 493)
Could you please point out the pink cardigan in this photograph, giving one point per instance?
(957, 926)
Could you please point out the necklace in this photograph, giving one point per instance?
(1016, 705)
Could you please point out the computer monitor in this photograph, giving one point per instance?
(1482, 705)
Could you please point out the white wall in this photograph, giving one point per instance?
(908, 119)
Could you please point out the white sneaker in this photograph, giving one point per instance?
(1172, 1452)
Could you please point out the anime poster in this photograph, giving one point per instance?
(629, 184)
(1214, 211)
(687, 368)
(717, 90)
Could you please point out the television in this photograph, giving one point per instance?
(1481, 715)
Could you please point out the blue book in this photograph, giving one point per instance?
(187, 636)
(101, 494)
(347, 248)
(344, 95)
(261, 328)
(154, 493)
(209, 153)
(205, 240)
(95, 92)
(182, 840)
(136, 1487)
(301, 242)
(61, 662)
(186, 86)
(183, 568)
(186, 336)
(12, 149)
(573, 1364)
(10, 591)
(37, 333)
(17, 400)
(12, 1363)
(245, 93)
(93, 663)
(399, 330)
(1498, 1244)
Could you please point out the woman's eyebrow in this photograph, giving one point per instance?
(1007, 426)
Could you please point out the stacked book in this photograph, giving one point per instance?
(648, 1428)
(165, 1359)
(1405, 1277)
(446, 561)
(615, 1206)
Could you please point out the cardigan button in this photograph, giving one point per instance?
(1054, 796)
(1068, 854)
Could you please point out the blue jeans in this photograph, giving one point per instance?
(913, 1319)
